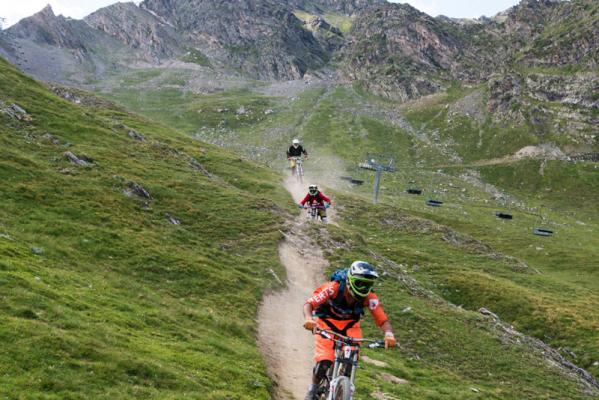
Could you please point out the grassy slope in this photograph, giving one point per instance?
(446, 351)
(122, 304)
(558, 306)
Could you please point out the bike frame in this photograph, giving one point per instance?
(347, 352)
(313, 210)
(299, 168)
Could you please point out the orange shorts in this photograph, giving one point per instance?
(324, 349)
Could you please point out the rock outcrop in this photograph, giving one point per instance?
(397, 51)
(262, 38)
(138, 29)
(46, 28)
(346, 7)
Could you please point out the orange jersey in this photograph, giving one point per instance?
(324, 300)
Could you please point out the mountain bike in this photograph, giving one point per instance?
(313, 214)
(338, 383)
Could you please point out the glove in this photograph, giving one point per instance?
(390, 340)
(300, 206)
(310, 324)
(327, 206)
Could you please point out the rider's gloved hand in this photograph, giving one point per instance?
(390, 340)
(327, 206)
(301, 206)
(310, 324)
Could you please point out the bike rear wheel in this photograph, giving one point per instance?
(342, 389)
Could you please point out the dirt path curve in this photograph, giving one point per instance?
(288, 349)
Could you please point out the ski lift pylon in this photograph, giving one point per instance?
(431, 202)
(541, 231)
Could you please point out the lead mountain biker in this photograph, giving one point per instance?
(338, 305)
(295, 150)
(316, 197)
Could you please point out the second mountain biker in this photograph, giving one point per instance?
(316, 197)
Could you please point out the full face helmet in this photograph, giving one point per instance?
(313, 190)
(295, 142)
(360, 279)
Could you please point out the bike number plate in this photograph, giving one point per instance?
(347, 351)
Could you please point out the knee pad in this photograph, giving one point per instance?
(321, 368)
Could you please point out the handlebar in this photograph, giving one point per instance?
(315, 206)
(347, 340)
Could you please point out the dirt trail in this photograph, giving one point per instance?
(287, 348)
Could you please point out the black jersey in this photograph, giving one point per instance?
(296, 151)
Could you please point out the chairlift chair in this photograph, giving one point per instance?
(503, 215)
(434, 203)
(412, 189)
(353, 181)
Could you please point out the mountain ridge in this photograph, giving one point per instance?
(538, 59)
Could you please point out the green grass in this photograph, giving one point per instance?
(197, 57)
(460, 252)
(342, 22)
(120, 303)
(446, 350)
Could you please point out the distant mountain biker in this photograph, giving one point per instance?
(315, 196)
(295, 150)
(338, 305)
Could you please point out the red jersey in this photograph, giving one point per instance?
(327, 293)
(318, 199)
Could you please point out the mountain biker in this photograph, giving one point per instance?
(295, 150)
(316, 197)
(338, 305)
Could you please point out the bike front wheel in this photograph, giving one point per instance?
(342, 390)
(300, 173)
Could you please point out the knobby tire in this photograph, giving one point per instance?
(343, 389)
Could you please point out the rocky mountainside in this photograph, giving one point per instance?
(257, 38)
(402, 53)
(262, 38)
(53, 48)
(346, 7)
(138, 29)
(47, 28)
(391, 49)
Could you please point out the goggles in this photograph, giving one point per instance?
(361, 286)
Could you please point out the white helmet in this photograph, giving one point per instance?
(295, 141)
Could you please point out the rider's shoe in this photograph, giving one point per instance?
(324, 220)
(311, 395)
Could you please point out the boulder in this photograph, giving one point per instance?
(136, 136)
(135, 189)
(76, 160)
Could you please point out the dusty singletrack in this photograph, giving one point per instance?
(287, 347)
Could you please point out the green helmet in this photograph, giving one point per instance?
(360, 279)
